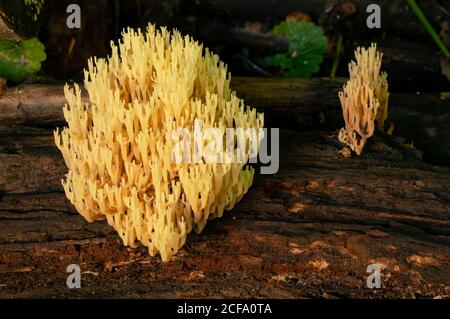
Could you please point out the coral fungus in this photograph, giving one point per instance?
(118, 147)
(364, 99)
(36, 6)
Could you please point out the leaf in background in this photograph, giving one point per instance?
(20, 59)
(307, 44)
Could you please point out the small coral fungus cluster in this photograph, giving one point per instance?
(364, 99)
(118, 146)
(36, 7)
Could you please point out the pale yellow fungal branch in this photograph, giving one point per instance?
(36, 6)
(364, 99)
(118, 147)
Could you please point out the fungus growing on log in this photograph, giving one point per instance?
(364, 99)
(119, 146)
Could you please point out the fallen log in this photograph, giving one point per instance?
(309, 104)
(296, 104)
(310, 230)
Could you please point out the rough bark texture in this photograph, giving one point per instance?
(309, 231)
(309, 104)
(296, 104)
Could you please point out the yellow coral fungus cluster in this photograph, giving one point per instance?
(36, 6)
(364, 99)
(118, 147)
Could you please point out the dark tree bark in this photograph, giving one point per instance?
(311, 230)
(295, 104)
(311, 104)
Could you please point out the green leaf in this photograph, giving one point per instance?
(20, 59)
(307, 44)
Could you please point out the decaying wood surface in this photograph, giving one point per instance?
(311, 230)
(295, 104)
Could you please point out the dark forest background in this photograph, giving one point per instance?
(240, 31)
